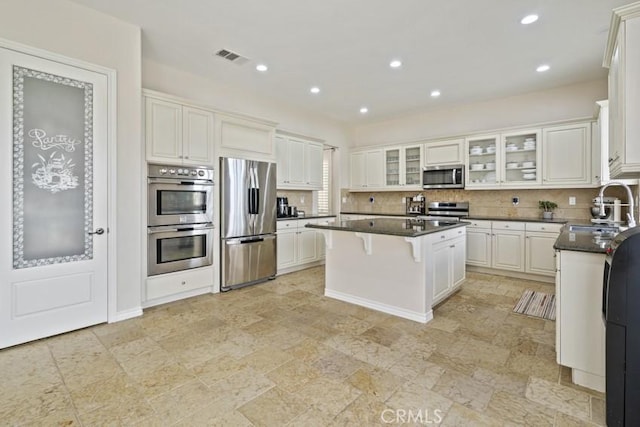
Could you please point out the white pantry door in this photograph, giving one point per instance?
(53, 196)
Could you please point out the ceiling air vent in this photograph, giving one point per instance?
(232, 56)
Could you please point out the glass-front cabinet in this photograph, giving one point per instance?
(504, 160)
(403, 166)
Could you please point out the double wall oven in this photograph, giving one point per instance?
(180, 218)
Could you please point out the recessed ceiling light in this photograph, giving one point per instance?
(364, 110)
(543, 68)
(261, 67)
(435, 93)
(395, 63)
(314, 89)
(529, 19)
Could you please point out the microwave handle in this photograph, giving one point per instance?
(453, 173)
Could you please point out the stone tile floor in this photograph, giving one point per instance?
(281, 354)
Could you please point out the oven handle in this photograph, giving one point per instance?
(154, 230)
(180, 182)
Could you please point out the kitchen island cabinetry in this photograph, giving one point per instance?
(624, 91)
(566, 155)
(580, 331)
(178, 134)
(394, 265)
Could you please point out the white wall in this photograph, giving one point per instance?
(75, 31)
(564, 103)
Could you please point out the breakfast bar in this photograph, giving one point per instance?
(398, 266)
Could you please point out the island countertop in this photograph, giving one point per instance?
(391, 226)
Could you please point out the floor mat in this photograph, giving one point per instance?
(537, 304)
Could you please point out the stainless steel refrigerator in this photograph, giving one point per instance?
(247, 222)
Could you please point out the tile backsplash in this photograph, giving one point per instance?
(486, 202)
(303, 200)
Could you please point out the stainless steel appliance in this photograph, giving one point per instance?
(621, 312)
(180, 247)
(179, 195)
(180, 214)
(451, 176)
(282, 204)
(447, 211)
(247, 222)
(603, 217)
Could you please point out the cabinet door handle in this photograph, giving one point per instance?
(186, 157)
(452, 246)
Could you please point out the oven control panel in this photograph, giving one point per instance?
(165, 171)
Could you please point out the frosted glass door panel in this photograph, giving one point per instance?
(52, 170)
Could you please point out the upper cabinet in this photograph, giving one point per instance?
(624, 92)
(448, 152)
(245, 137)
(299, 163)
(367, 170)
(177, 133)
(403, 167)
(566, 155)
(505, 160)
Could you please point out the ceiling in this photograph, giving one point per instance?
(469, 50)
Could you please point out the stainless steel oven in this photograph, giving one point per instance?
(179, 247)
(179, 195)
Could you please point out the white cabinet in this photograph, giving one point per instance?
(508, 250)
(245, 137)
(624, 92)
(448, 254)
(566, 154)
(580, 331)
(539, 252)
(299, 163)
(503, 160)
(367, 170)
(448, 152)
(299, 246)
(403, 167)
(177, 133)
(479, 243)
(168, 287)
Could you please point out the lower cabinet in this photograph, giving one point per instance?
(580, 331)
(169, 287)
(298, 245)
(525, 247)
(448, 265)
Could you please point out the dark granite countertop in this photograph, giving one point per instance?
(306, 217)
(580, 241)
(376, 214)
(391, 226)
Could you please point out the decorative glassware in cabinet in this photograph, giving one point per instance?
(482, 161)
(412, 165)
(392, 163)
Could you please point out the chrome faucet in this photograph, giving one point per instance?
(631, 220)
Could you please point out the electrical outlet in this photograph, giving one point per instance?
(302, 200)
(371, 199)
(572, 200)
(344, 200)
(404, 200)
(515, 200)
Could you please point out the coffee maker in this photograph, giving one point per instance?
(282, 204)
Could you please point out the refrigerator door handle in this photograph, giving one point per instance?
(254, 200)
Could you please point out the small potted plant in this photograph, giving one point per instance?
(547, 208)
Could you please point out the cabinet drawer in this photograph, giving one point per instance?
(478, 223)
(442, 236)
(543, 227)
(303, 222)
(287, 225)
(173, 283)
(508, 225)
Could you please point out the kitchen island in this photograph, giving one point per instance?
(398, 266)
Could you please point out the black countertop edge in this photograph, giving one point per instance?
(290, 218)
(391, 226)
(403, 215)
(520, 219)
(579, 241)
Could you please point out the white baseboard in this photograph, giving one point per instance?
(374, 305)
(589, 380)
(127, 314)
(299, 267)
(177, 297)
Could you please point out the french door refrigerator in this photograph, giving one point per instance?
(247, 222)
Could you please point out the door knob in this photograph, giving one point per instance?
(98, 231)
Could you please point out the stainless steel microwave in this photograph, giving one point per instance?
(449, 176)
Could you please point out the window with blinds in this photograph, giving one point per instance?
(324, 195)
